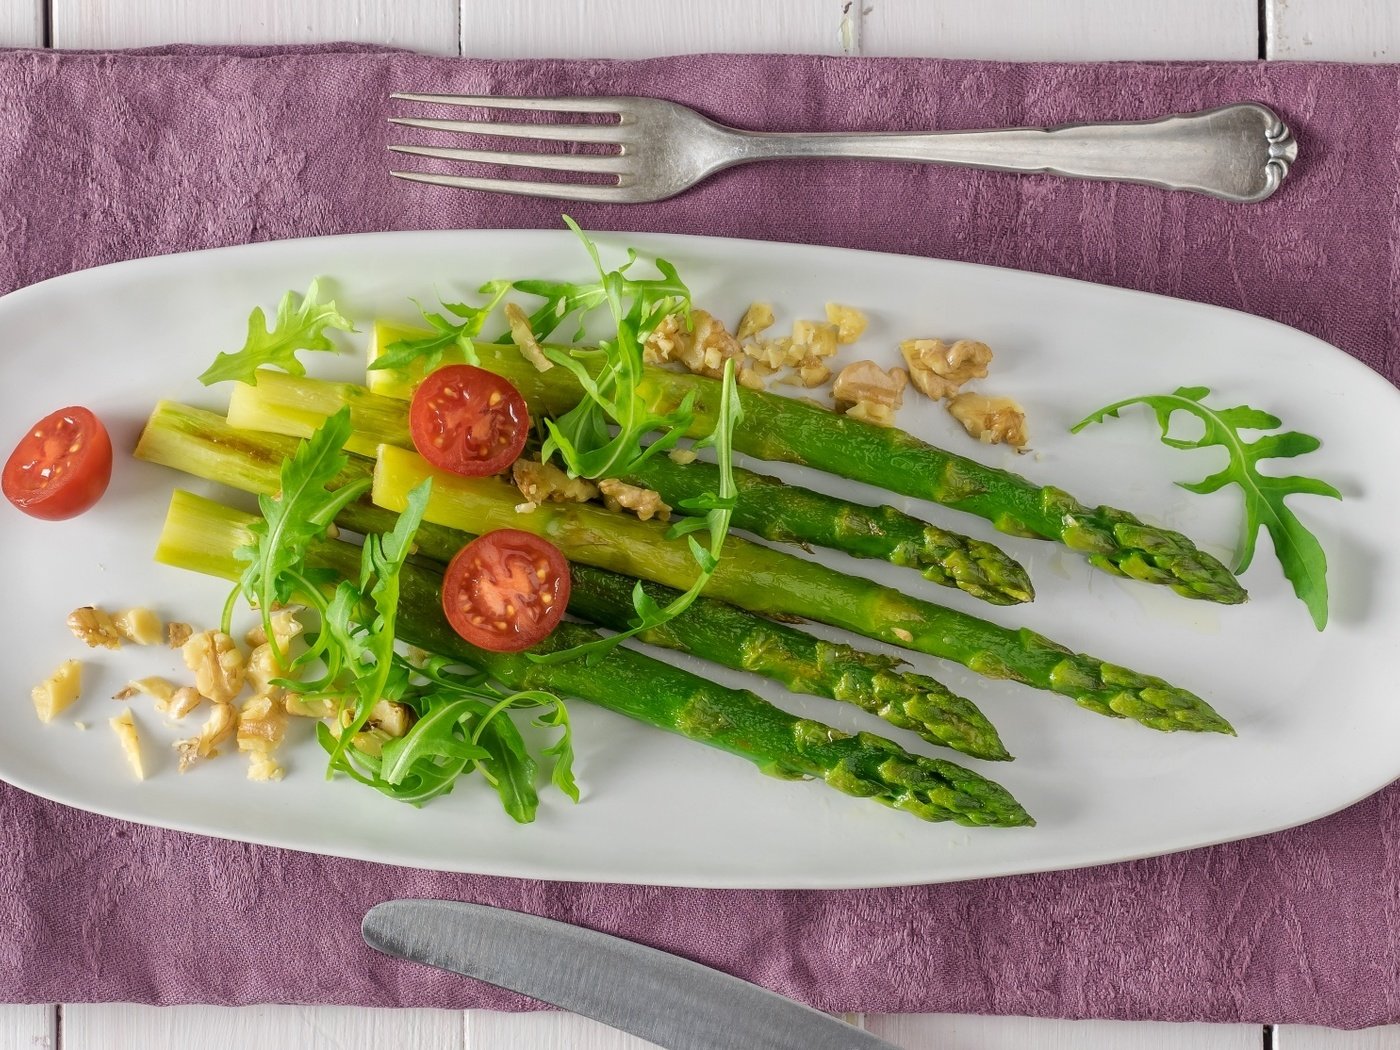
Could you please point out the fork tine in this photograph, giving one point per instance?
(565, 132)
(561, 190)
(557, 105)
(612, 162)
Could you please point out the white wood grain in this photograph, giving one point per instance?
(1300, 1037)
(1067, 30)
(646, 28)
(28, 1027)
(21, 23)
(970, 1032)
(1333, 30)
(488, 1030)
(423, 25)
(117, 1026)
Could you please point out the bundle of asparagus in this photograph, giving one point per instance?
(758, 578)
(202, 536)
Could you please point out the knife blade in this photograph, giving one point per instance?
(673, 1002)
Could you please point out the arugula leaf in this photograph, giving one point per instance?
(719, 510)
(299, 513)
(602, 435)
(301, 324)
(509, 767)
(1299, 553)
(427, 353)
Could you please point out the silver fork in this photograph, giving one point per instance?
(1236, 153)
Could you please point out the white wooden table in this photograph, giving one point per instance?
(1347, 30)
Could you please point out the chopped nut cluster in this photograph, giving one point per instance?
(866, 391)
(544, 482)
(850, 323)
(991, 420)
(646, 504)
(702, 349)
(216, 729)
(96, 627)
(938, 369)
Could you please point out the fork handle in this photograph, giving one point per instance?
(1236, 153)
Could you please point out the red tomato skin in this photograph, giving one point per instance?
(490, 567)
(457, 408)
(75, 441)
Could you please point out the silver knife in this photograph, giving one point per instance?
(670, 1001)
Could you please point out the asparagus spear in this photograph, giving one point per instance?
(792, 431)
(203, 444)
(775, 583)
(202, 535)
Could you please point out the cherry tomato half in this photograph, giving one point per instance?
(468, 420)
(60, 467)
(506, 590)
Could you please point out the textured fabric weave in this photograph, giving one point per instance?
(113, 156)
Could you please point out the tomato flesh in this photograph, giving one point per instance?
(506, 590)
(61, 466)
(468, 421)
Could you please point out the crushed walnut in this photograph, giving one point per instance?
(124, 725)
(177, 633)
(758, 318)
(702, 349)
(646, 504)
(938, 369)
(850, 323)
(216, 729)
(141, 626)
(285, 627)
(991, 420)
(94, 627)
(262, 722)
(58, 691)
(218, 664)
(524, 338)
(864, 390)
(544, 482)
(387, 721)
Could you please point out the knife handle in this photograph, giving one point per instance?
(1239, 153)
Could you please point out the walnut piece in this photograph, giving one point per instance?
(757, 318)
(216, 729)
(866, 391)
(991, 420)
(544, 482)
(262, 722)
(815, 338)
(809, 373)
(681, 456)
(177, 633)
(320, 707)
(939, 370)
(153, 686)
(58, 691)
(125, 728)
(646, 504)
(524, 338)
(702, 349)
(850, 323)
(94, 627)
(184, 700)
(285, 627)
(387, 720)
(218, 664)
(141, 626)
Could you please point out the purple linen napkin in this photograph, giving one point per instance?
(111, 156)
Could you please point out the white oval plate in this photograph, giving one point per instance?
(1315, 712)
